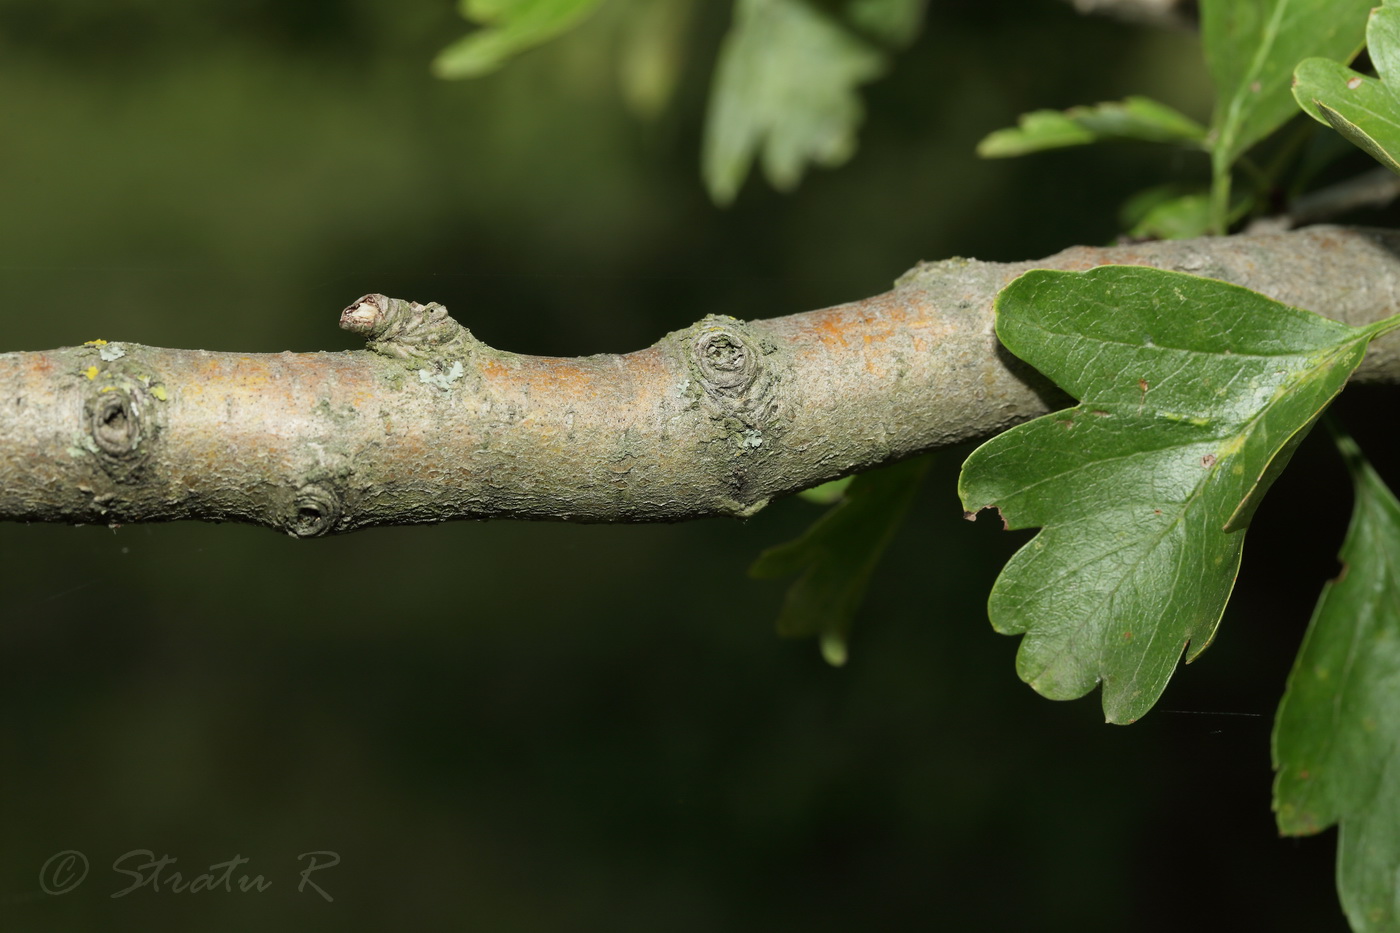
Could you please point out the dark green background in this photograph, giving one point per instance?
(542, 727)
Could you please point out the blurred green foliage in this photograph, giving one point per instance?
(508, 27)
(786, 86)
(835, 558)
(540, 727)
(1335, 739)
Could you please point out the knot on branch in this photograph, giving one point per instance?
(121, 422)
(315, 511)
(116, 425)
(407, 330)
(735, 366)
(727, 366)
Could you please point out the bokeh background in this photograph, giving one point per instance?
(542, 727)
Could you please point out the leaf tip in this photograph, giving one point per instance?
(834, 650)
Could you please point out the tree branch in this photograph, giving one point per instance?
(429, 424)
(1178, 14)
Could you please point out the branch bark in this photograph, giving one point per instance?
(1177, 14)
(429, 424)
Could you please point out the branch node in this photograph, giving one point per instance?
(407, 330)
(737, 371)
(727, 357)
(727, 365)
(116, 424)
(120, 424)
(315, 512)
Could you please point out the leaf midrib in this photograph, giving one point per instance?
(1230, 125)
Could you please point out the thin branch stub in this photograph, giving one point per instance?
(406, 329)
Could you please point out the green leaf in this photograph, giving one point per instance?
(1252, 47)
(784, 89)
(1134, 118)
(511, 27)
(828, 493)
(1337, 735)
(652, 54)
(837, 555)
(894, 22)
(1191, 392)
(1035, 132)
(1363, 109)
(1166, 214)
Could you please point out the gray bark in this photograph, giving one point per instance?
(429, 424)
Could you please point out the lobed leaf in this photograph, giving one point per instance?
(1252, 47)
(837, 555)
(1192, 394)
(784, 90)
(1336, 743)
(1363, 109)
(1133, 118)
